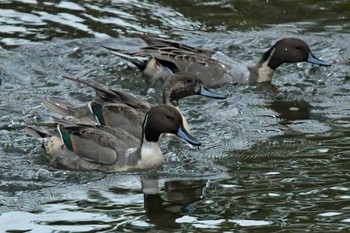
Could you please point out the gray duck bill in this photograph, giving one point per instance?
(209, 93)
(314, 60)
(182, 133)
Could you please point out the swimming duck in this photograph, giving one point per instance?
(120, 109)
(162, 57)
(82, 147)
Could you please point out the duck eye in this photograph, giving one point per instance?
(169, 117)
(298, 47)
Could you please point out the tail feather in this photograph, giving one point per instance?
(73, 121)
(150, 40)
(58, 106)
(140, 61)
(104, 95)
(37, 133)
(89, 84)
(50, 141)
(43, 124)
(100, 90)
(153, 41)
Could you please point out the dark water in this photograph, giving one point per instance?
(274, 158)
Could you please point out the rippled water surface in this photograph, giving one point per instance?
(275, 158)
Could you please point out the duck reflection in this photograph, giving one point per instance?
(291, 110)
(288, 110)
(177, 198)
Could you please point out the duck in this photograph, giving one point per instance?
(87, 147)
(119, 109)
(161, 58)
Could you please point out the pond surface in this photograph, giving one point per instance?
(275, 158)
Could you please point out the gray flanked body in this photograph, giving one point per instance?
(214, 69)
(90, 153)
(122, 110)
(81, 147)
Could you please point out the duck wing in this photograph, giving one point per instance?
(63, 108)
(93, 144)
(133, 101)
(104, 95)
(157, 42)
(122, 116)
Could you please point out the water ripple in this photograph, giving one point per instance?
(274, 158)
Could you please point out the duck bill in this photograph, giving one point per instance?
(182, 133)
(314, 60)
(209, 93)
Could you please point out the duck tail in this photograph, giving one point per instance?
(37, 133)
(100, 90)
(88, 84)
(140, 61)
(58, 106)
(149, 40)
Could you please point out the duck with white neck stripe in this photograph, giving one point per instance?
(120, 109)
(81, 147)
(163, 57)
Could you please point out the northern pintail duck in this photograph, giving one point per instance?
(81, 147)
(120, 109)
(161, 58)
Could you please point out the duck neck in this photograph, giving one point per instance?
(150, 154)
(262, 71)
(168, 97)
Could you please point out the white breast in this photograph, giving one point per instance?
(151, 155)
(265, 73)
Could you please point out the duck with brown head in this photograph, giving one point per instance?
(81, 147)
(287, 50)
(214, 68)
(120, 109)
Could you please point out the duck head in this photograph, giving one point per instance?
(165, 119)
(290, 50)
(184, 84)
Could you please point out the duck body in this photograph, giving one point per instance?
(215, 69)
(83, 147)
